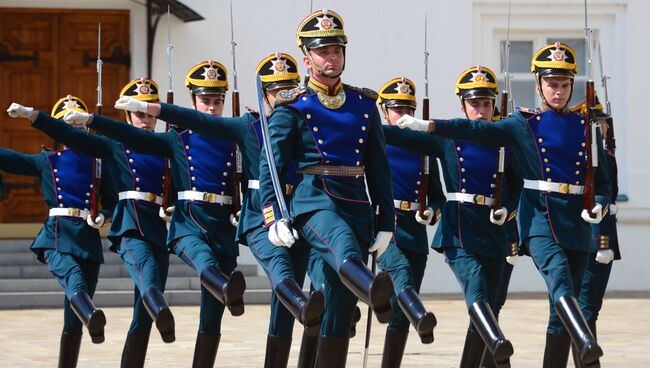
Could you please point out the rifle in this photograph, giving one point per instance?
(97, 165)
(167, 179)
(424, 180)
(498, 182)
(308, 72)
(610, 140)
(373, 269)
(236, 180)
(590, 128)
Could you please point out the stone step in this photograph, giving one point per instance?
(116, 284)
(103, 299)
(14, 245)
(39, 271)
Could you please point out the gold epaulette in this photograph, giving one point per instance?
(290, 95)
(527, 112)
(365, 91)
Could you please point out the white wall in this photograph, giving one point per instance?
(386, 40)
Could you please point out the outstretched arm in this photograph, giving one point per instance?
(20, 163)
(419, 142)
(75, 138)
(232, 129)
(141, 140)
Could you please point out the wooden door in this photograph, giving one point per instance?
(46, 54)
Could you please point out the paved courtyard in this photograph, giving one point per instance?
(30, 338)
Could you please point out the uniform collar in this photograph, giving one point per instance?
(317, 86)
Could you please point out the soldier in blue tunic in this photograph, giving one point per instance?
(332, 133)
(397, 98)
(200, 233)
(69, 242)
(285, 267)
(549, 150)
(137, 233)
(605, 235)
(470, 232)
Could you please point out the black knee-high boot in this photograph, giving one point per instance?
(93, 318)
(332, 352)
(472, 350)
(69, 350)
(487, 326)
(159, 311)
(228, 290)
(420, 318)
(556, 351)
(308, 348)
(308, 311)
(135, 350)
(205, 350)
(394, 345)
(587, 348)
(374, 290)
(277, 352)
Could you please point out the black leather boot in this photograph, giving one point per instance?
(556, 351)
(277, 352)
(332, 352)
(93, 318)
(205, 350)
(587, 348)
(69, 350)
(159, 311)
(374, 290)
(135, 350)
(575, 352)
(228, 290)
(394, 345)
(356, 318)
(423, 321)
(308, 311)
(472, 350)
(488, 360)
(487, 326)
(308, 347)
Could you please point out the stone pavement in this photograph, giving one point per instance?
(30, 338)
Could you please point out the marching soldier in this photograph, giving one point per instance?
(470, 233)
(330, 131)
(137, 233)
(285, 267)
(69, 242)
(200, 232)
(550, 150)
(397, 98)
(605, 235)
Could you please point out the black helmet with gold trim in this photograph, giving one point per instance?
(555, 60)
(321, 28)
(143, 89)
(398, 92)
(277, 71)
(207, 77)
(70, 102)
(477, 82)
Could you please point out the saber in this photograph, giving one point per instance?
(266, 139)
(373, 269)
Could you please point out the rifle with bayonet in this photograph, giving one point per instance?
(236, 180)
(424, 180)
(590, 127)
(97, 165)
(610, 139)
(167, 179)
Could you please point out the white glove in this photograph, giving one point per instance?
(613, 209)
(499, 216)
(512, 259)
(131, 104)
(164, 213)
(382, 241)
(428, 216)
(97, 223)
(234, 219)
(598, 210)
(282, 234)
(409, 122)
(76, 117)
(19, 111)
(604, 256)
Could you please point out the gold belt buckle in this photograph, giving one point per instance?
(345, 171)
(404, 205)
(479, 199)
(149, 197)
(209, 197)
(564, 188)
(74, 212)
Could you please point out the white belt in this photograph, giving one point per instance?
(70, 212)
(190, 195)
(406, 205)
(479, 199)
(549, 186)
(140, 196)
(253, 184)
